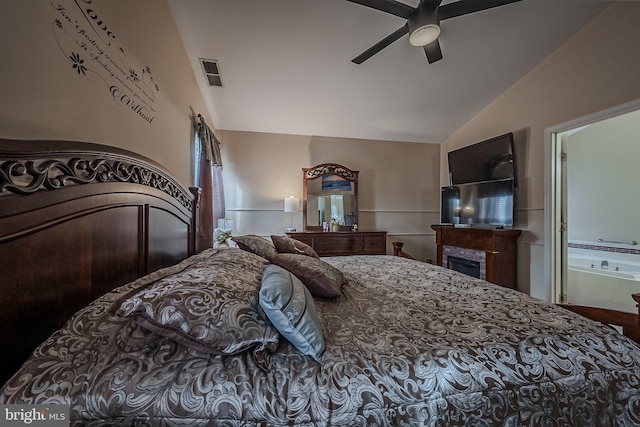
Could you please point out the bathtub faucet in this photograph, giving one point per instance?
(604, 265)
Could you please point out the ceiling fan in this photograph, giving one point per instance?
(423, 22)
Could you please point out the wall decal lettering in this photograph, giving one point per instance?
(92, 48)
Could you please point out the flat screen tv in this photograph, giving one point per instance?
(488, 160)
(488, 203)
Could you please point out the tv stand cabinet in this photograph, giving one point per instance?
(496, 250)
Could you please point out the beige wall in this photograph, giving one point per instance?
(595, 70)
(43, 96)
(398, 183)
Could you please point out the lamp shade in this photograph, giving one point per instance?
(291, 204)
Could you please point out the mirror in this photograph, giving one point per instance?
(329, 191)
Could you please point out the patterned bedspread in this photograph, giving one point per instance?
(407, 343)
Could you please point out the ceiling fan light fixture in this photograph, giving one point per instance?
(424, 35)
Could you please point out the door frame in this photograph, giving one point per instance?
(555, 207)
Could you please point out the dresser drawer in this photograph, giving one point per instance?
(304, 238)
(374, 244)
(338, 244)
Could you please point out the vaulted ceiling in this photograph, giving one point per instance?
(286, 67)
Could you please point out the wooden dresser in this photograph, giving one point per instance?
(344, 242)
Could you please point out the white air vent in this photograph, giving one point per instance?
(211, 72)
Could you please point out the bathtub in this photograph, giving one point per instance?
(603, 278)
(613, 268)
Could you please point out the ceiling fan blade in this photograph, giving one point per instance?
(381, 45)
(389, 6)
(433, 51)
(429, 4)
(464, 7)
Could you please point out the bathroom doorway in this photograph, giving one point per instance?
(593, 209)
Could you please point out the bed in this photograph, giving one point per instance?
(269, 334)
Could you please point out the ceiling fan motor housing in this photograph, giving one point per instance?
(424, 26)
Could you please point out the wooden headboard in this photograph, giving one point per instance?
(76, 221)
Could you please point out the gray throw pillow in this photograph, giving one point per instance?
(290, 308)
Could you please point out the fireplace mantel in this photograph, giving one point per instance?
(499, 246)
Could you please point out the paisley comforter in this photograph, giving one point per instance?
(407, 343)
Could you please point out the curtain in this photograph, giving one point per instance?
(209, 143)
(210, 181)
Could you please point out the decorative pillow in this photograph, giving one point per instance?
(256, 244)
(211, 307)
(289, 306)
(286, 244)
(322, 279)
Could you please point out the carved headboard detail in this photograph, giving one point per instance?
(31, 172)
(77, 220)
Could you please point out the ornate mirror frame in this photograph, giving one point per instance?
(317, 172)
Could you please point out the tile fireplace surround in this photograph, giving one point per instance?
(494, 249)
(468, 254)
